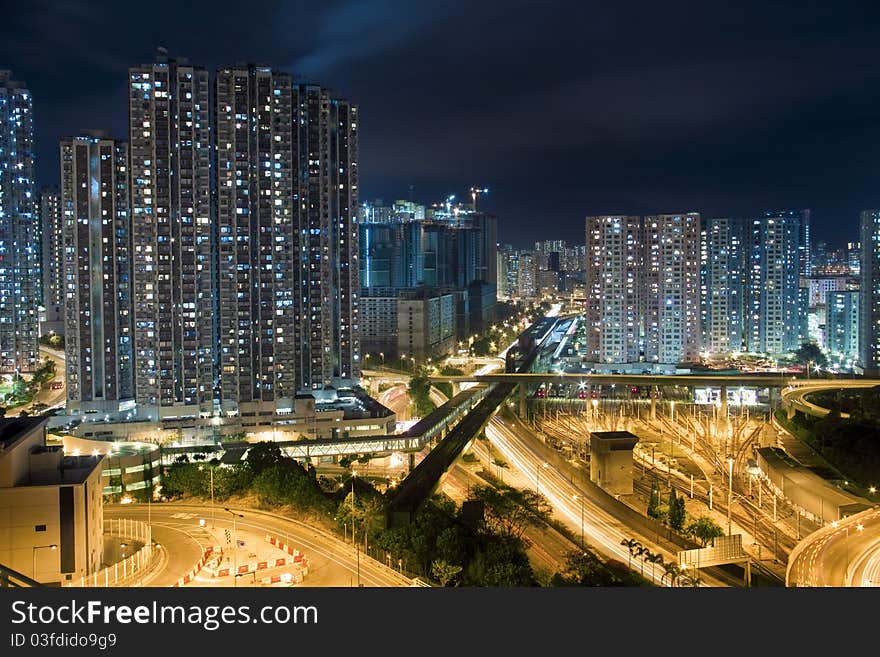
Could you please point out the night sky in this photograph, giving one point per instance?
(562, 109)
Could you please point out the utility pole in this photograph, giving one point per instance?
(354, 532)
(234, 545)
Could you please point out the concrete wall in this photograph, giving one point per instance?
(26, 509)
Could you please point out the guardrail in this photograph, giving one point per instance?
(133, 567)
(13, 579)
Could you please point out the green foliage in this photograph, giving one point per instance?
(419, 391)
(850, 445)
(436, 534)
(584, 568)
(262, 456)
(444, 571)
(676, 511)
(809, 352)
(54, 340)
(704, 529)
(510, 511)
(445, 387)
(289, 483)
(44, 373)
(501, 562)
(449, 370)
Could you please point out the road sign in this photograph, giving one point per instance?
(724, 549)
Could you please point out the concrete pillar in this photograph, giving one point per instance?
(748, 574)
(654, 392)
(456, 387)
(723, 409)
(522, 400)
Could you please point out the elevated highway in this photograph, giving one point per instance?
(794, 396)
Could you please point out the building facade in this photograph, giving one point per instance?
(256, 223)
(842, 325)
(869, 306)
(52, 524)
(672, 287)
(52, 268)
(327, 270)
(173, 314)
(96, 234)
(774, 312)
(721, 285)
(19, 260)
(614, 286)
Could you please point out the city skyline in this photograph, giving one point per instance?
(783, 123)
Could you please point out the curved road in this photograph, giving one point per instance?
(843, 554)
(795, 394)
(332, 562)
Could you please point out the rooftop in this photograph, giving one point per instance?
(12, 429)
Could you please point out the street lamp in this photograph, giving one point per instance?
(729, 491)
(576, 497)
(234, 543)
(52, 546)
(353, 532)
(211, 472)
(538, 475)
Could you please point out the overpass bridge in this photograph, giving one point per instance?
(795, 399)
(525, 381)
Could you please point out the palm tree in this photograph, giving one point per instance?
(673, 570)
(641, 550)
(654, 559)
(632, 545)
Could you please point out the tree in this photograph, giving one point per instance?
(509, 511)
(704, 529)
(671, 570)
(653, 559)
(676, 513)
(263, 455)
(809, 352)
(632, 545)
(641, 551)
(444, 572)
(654, 500)
(419, 390)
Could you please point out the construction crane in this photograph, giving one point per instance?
(476, 191)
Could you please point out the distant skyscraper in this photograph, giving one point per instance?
(327, 271)
(19, 261)
(173, 300)
(256, 217)
(614, 281)
(869, 307)
(842, 324)
(775, 304)
(721, 273)
(854, 257)
(52, 254)
(527, 272)
(672, 287)
(97, 273)
(802, 219)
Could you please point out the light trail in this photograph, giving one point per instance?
(600, 529)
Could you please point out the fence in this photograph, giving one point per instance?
(128, 571)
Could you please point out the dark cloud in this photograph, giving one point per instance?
(562, 108)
